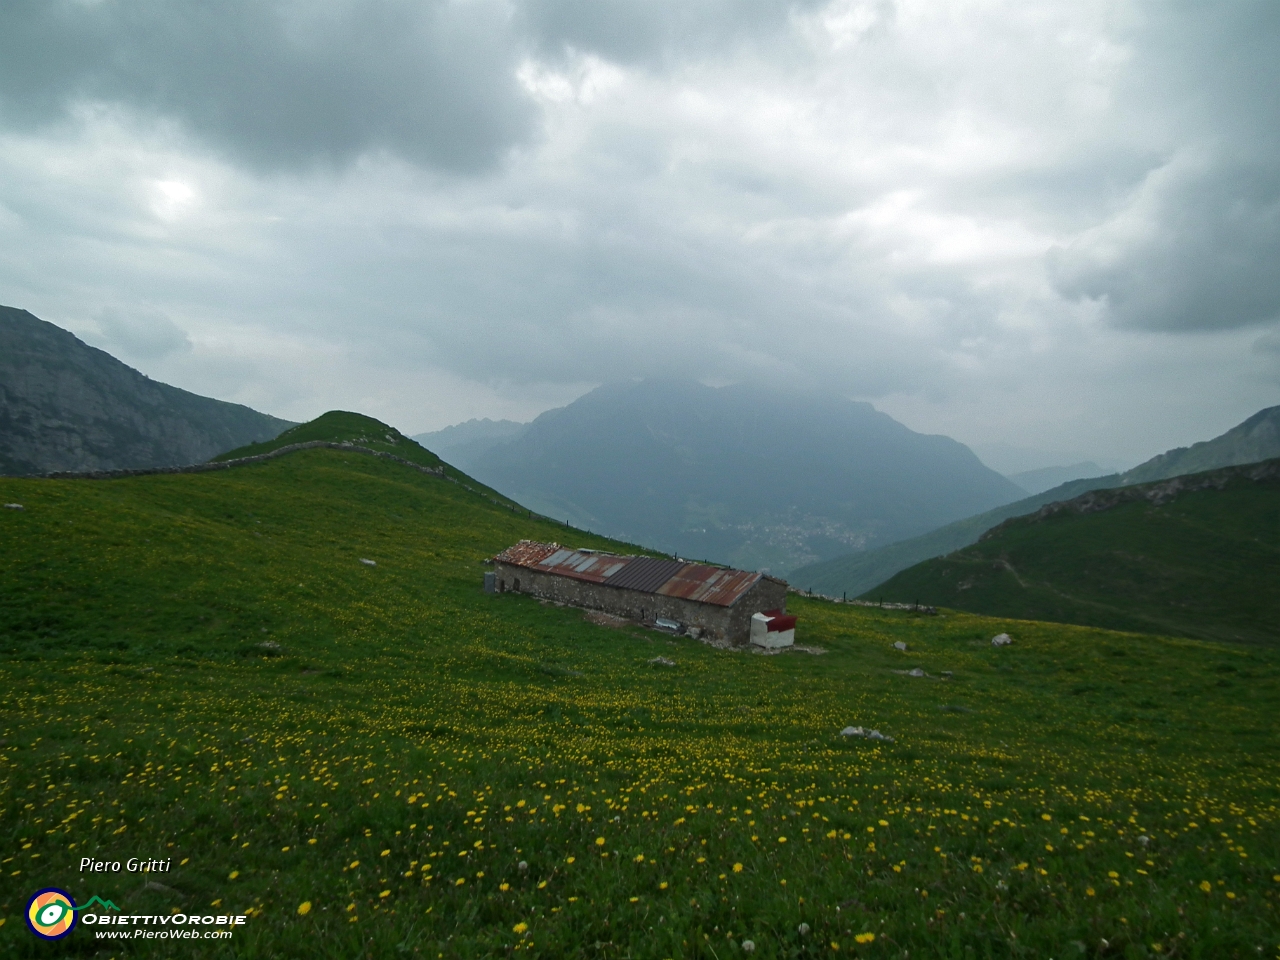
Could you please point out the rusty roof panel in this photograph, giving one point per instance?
(705, 584)
(699, 582)
(645, 574)
(553, 558)
(527, 552)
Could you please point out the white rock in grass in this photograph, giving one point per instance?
(1001, 640)
(368, 563)
(865, 734)
(899, 645)
(13, 506)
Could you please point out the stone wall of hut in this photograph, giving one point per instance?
(731, 623)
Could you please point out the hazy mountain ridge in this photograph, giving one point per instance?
(1046, 478)
(463, 443)
(67, 406)
(855, 573)
(738, 474)
(1196, 555)
(1255, 439)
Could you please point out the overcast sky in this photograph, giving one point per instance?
(1052, 226)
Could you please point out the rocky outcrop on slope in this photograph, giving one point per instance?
(1157, 494)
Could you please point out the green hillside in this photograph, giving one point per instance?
(856, 573)
(1256, 439)
(375, 761)
(340, 426)
(1163, 557)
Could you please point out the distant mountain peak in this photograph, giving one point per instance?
(741, 474)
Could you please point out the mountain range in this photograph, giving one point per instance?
(1196, 555)
(754, 477)
(1257, 438)
(464, 443)
(67, 406)
(1046, 478)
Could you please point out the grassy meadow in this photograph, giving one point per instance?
(381, 761)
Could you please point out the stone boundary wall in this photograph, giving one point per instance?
(438, 472)
(242, 461)
(913, 607)
(1157, 493)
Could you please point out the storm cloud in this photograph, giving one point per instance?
(1194, 244)
(279, 84)
(1048, 224)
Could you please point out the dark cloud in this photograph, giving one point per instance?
(640, 31)
(1195, 244)
(1197, 250)
(849, 193)
(278, 84)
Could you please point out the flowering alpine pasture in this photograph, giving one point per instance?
(384, 760)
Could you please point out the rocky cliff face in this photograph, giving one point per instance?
(67, 406)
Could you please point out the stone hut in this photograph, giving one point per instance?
(717, 601)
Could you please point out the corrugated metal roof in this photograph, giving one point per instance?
(592, 566)
(527, 552)
(645, 574)
(699, 582)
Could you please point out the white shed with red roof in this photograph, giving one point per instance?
(773, 629)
